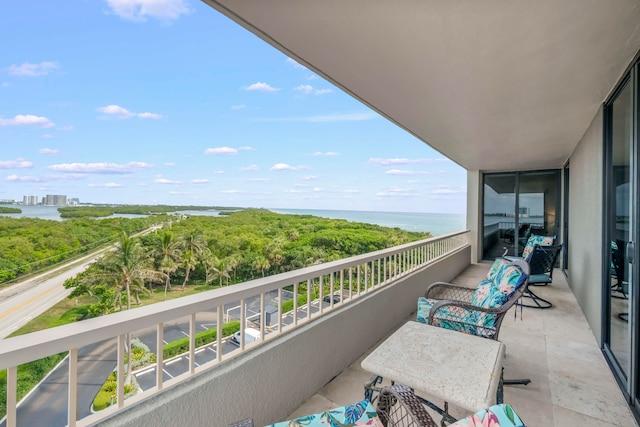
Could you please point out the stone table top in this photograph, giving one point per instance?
(456, 367)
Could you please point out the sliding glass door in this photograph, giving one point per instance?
(516, 205)
(620, 252)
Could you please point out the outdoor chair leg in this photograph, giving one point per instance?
(539, 302)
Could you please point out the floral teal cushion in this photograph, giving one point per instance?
(501, 415)
(536, 240)
(358, 414)
(448, 317)
(497, 264)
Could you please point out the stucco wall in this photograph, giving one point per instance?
(585, 223)
(269, 382)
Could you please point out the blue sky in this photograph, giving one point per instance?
(169, 102)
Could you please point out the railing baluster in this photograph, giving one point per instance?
(263, 317)
(159, 355)
(308, 299)
(280, 310)
(320, 291)
(12, 394)
(243, 320)
(120, 371)
(192, 343)
(350, 282)
(295, 303)
(72, 406)
(219, 327)
(332, 289)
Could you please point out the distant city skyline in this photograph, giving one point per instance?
(169, 102)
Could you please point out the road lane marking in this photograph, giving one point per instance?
(27, 302)
(165, 371)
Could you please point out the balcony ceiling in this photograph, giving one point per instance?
(493, 84)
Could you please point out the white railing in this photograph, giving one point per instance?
(326, 286)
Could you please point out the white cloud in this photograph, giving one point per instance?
(309, 177)
(238, 107)
(200, 181)
(27, 120)
(327, 153)
(292, 191)
(169, 164)
(232, 191)
(246, 148)
(259, 180)
(65, 128)
(32, 70)
(403, 172)
(262, 87)
(123, 113)
(116, 110)
(5, 84)
(220, 151)
(250, 168)
(295, 64)
(448, 190)
(218, 172)
(47, 136)
(286, 167)
(322, 91)
(399, 161)
(15, 164)
(397, 192)
(166, 181)
(318, 189)
(304, 89)
(351, 191)
(49, 151)
(106, 185)
(24, 178)
(148, 115)
(139, 10)
(309, 90)
(345, 117)
(101, 168)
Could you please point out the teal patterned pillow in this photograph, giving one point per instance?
(358, 414)
(494, 293)
(448, 317)
(497, 264)
(501, 415)
(536, 240)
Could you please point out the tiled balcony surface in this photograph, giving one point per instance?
(571, 384)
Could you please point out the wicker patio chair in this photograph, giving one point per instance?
(478, 311)
(398, 406)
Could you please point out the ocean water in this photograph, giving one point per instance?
(436, 224)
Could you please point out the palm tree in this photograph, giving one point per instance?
(167, 253)
(195, 250)
(261, 263)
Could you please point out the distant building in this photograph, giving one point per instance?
(29, 200)
(523, 211)
(74, 201)
(55, 200)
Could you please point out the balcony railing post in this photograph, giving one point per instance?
(192, 343)
(72, 407)
(12, 393)
(159, 355)
(120, 370)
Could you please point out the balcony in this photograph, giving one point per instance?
(311, 361)
(571, 383)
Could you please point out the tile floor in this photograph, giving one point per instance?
(571, 384)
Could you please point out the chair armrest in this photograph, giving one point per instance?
(449, 291)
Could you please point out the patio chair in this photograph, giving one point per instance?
(397, 406)
(541, 263)
(476, 311)
(531, 241)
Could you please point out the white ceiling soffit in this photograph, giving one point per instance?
(493, 84)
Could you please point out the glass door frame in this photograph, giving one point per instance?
(630, 384)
